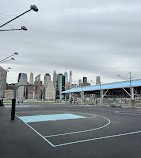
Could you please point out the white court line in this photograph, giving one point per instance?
(111, 110)
(5, 107)
(75, 142)
(37, 133)
(119, 112)
(33, 111)
(129, 113)
(87, 140)
(18, 106)
(102, 109)
(89, 130)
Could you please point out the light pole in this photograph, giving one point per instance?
(93, 82)
(9, 58)
(101, 95)
(14, 100)
(131, 90)
(8, 69)
(122, 77)
(130, 77)
(22, 28)
(32, 7)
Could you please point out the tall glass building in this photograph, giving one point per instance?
(66, 77)
(60, 85)
(22, 91)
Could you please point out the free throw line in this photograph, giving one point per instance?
(89, 130)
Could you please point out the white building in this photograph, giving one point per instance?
(9, 94)
(54, 78)
(80, 83)
(50, 91)
(47, 78)
(98, 82)
(31, 78)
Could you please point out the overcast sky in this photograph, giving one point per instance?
(89, 37)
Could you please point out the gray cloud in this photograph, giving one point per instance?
(89, 37)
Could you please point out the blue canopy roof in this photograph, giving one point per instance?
(126, 84)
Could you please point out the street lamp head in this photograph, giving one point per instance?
(34, 8)
(16, 53)
(8, 69)
(23, 28)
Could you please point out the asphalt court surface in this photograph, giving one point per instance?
(83, 130)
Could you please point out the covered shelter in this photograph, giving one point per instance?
(128, 90)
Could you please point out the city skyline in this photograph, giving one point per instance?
(75, 79)
(32, 78)
(89, 38)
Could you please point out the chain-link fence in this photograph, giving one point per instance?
(93, 100)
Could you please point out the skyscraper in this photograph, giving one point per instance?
(70, 78)
(80, 83)
(50, 91)
(84, 81)
(31, 78)
(38, 88)
(38, 79)
(54, 78)
(98, 80)
(22, 80)
(3, 76)
(60, 85)
(47, 78)
(66, 77)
